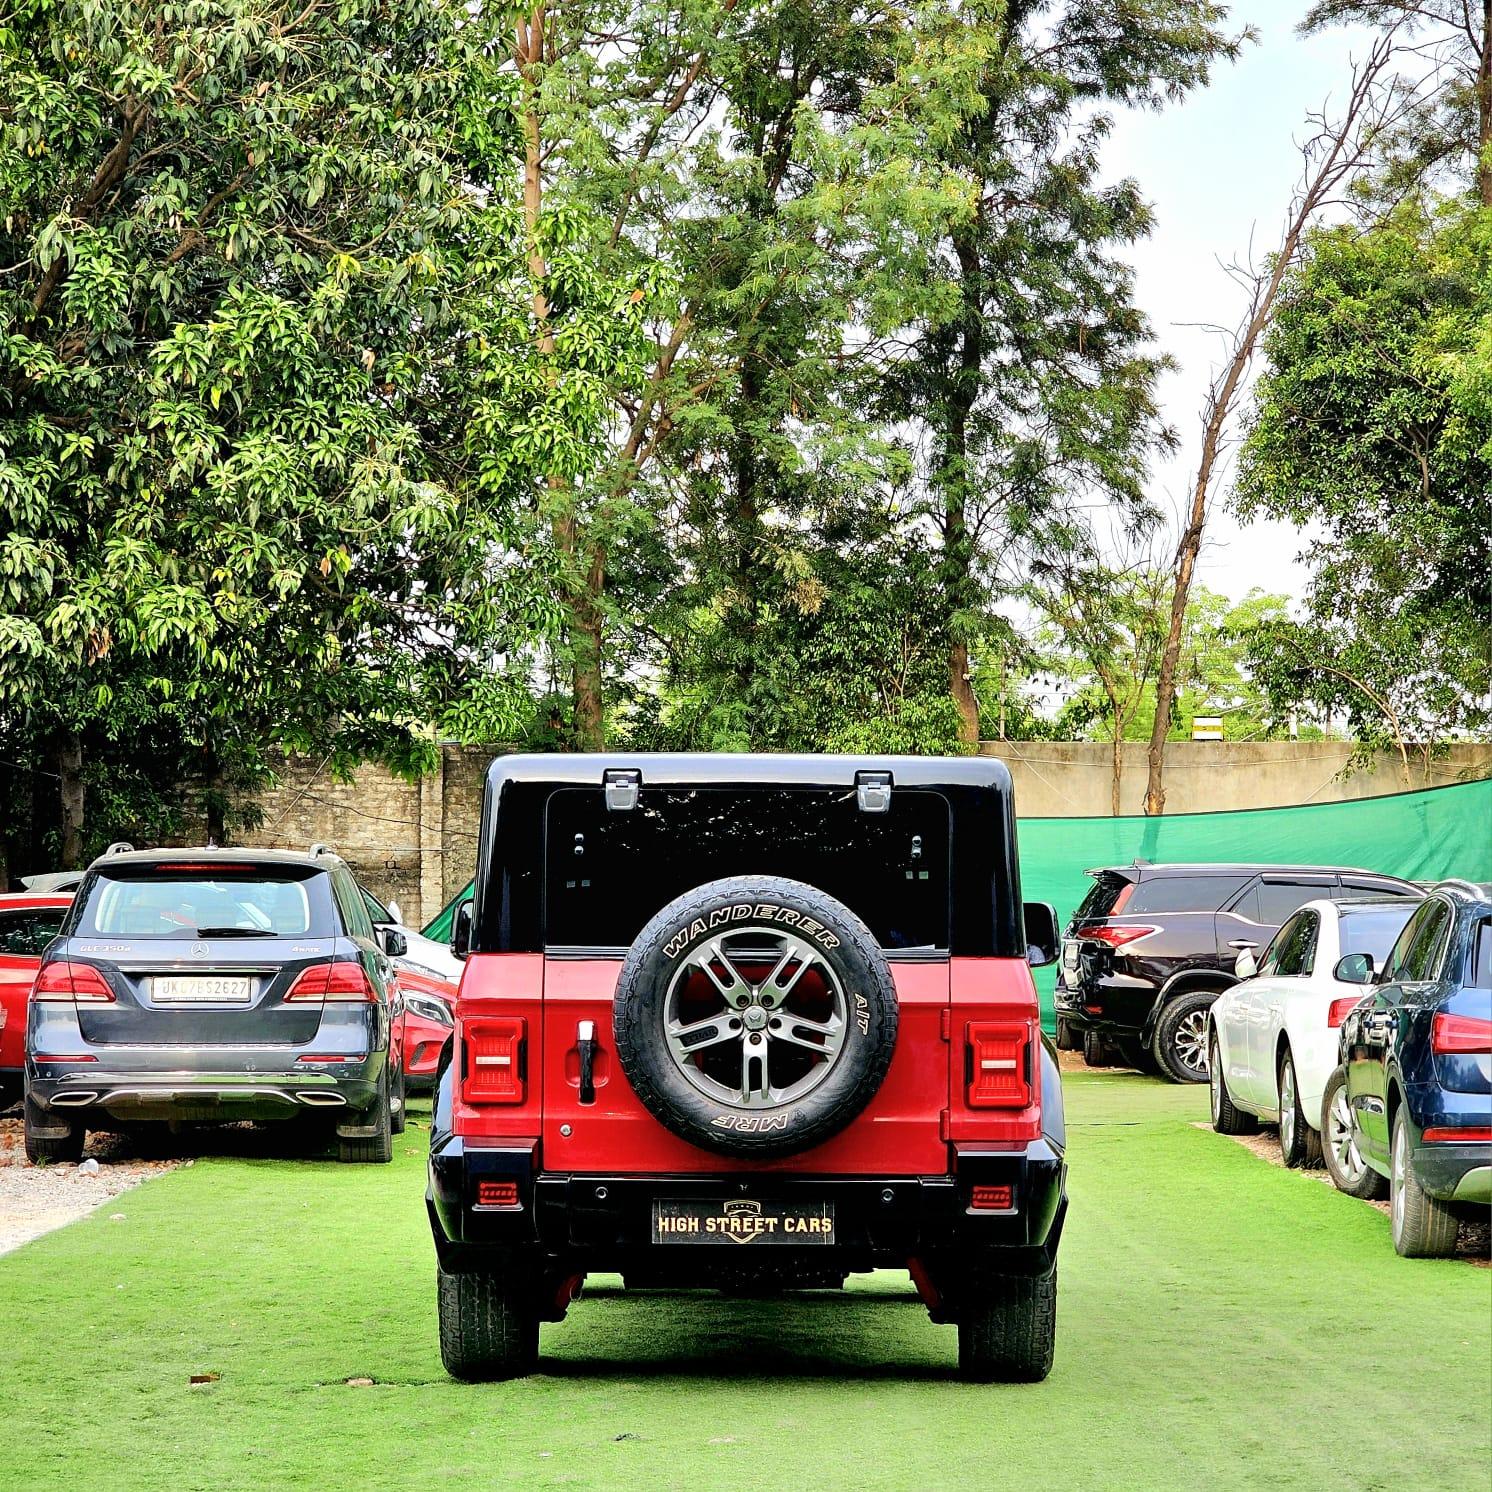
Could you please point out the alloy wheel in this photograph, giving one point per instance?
(1399, 1165)
(755, 1017)
(1190, 1041)
(1215, 1084)
(1341, 1137)
(1287, 1106)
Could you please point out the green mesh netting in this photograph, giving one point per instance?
(1425, 836)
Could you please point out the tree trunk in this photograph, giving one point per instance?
(1116, 780)
(1484, 109)
(70, 785)
(583, 566)
(953, 477)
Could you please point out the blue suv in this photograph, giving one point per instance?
(1418, 1057)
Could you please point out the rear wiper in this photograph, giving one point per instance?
(235, 932)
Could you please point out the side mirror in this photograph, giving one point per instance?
(461, 930)
(1042, 940)
(395, 944)
(1246, 965)
(1354, 968)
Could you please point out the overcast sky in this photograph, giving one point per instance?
(1219, 169)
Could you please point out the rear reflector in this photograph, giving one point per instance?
(63, 1057)
(992, 1198)
(319, 1057)
(1117, 937)
(346, 979)
(996, 1070)
(1339, 1010)
(495, 1052)
(497, 1194)
(1461, 1034)
(66, 982)
(1446, 1135)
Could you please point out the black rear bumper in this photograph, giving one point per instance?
(605, 1222)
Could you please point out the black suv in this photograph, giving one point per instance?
(213, 985)
(1151, 947)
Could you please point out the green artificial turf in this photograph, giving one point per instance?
(1223, 1323)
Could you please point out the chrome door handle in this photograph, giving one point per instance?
(1242, 943)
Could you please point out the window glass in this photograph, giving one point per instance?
(1353, 889)
(187, 901)
(375, 909)
(1373, 932)
(1270, 963)
(1247, 905)
(1294, 947)
(1182, 893)
(1479, 964)
(1278, 899)
(26, 934)
(607, 873)
(354, 910)
(1423, 955)
(1102, 897)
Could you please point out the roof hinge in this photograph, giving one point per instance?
(621, 785)
(873, 791)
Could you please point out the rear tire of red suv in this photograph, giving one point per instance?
(755, 1016)
(1181, 1036)
(1007, 1329)
(50, 1138)
(489, 1324)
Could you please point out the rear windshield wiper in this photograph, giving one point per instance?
(235, 932)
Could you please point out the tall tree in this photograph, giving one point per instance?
(248, 246)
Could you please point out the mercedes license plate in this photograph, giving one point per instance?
(201, 989)
(741, 1221)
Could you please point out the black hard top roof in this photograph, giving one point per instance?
(749, 769)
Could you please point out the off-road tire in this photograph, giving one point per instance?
(377, 1148)
(1007, 1329)
(1422, 1227)
(1067, 1039)
(856, 1073)
(1367, 1185)
(1300, 1145)
(489, 1324)
(45, 1149)
(1227, 1117)
(399, 1103)
(1178, 1017)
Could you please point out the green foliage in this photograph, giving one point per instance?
(1374, 424)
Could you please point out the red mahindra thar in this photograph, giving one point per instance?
(743, 1022)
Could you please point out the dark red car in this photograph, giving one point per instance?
(28, 922)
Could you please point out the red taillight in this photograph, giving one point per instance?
(68, 983)
(1117, 937)
(997, 1065)
(1339, 1010)
(494, 1052)
(344, 980)
(1446, 1135)
(497, 1194)
(992, 1198)
(1460, 1034)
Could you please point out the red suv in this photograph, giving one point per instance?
(746, 1022)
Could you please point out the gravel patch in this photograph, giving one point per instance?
(36, 1199)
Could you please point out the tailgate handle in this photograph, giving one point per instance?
(585, 1044)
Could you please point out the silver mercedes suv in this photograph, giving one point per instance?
(207, 985)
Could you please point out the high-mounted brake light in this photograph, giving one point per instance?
(1460, 1034)
(346, 979)
(173, 867)
(1117, 937)
(64, 982)
(997, 1065)
(495, 1056)
(1339, 1010)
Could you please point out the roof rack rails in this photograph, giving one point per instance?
(319, 848)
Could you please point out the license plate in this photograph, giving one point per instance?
(201, 989)
(742, 1221)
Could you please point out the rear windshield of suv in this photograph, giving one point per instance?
(188, 900)
(607, 873)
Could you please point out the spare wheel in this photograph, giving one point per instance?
(755, 1016)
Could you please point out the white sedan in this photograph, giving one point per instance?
(1272, 1038)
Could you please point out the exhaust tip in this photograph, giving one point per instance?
(73, 1100)
(322, 1099)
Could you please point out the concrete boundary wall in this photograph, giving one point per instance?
(417, 842)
